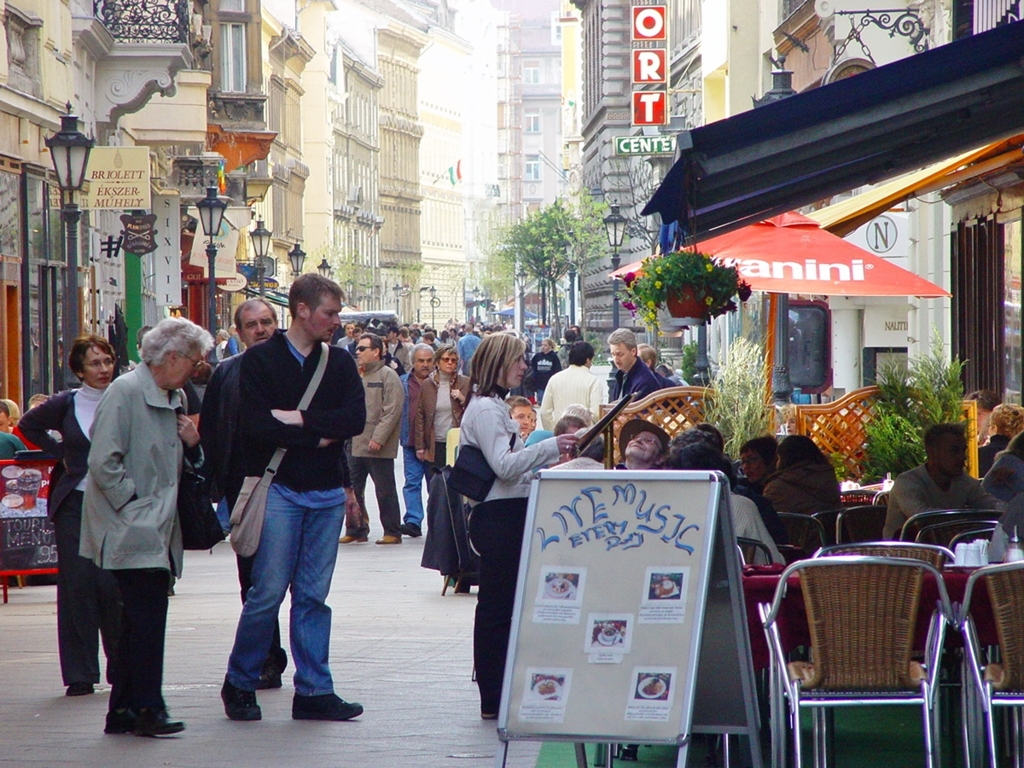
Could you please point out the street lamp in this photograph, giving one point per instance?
(434, 303)
(325, 269)
(69, 151)
(297, 257)
(615, 227)
(261, 237)
(211, 216)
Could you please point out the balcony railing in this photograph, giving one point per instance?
(152, 21)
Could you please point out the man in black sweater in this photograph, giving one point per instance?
(221, 434)
(306, 503)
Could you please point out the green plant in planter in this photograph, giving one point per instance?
(737, 404)
(928, 391)
(663, 277)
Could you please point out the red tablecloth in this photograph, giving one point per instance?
(759, 583)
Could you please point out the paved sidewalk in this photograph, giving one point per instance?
(398, 647)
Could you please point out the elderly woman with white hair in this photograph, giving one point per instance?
(130, 516)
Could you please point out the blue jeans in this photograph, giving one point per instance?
(298, 548)
(412, 491)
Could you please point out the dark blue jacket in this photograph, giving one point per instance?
(640, 380)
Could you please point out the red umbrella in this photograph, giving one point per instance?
(791, 253)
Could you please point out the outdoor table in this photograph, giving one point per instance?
(760, 582)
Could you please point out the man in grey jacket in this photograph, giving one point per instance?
(373, 452)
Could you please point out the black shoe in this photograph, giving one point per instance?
(239, 704)
(325, 707)
(120, 721)
(411, 530)
(156, 722)
(270, 676)
(80, 689)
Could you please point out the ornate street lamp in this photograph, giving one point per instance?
(297, 257)
(261, 238)
(325, 269)
(211, 216)
(615, 228)
(69, 151)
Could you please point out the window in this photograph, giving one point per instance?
(232, 64)
(533, 122)
(556, 28)
(531, 75)
(532, 168)
(232, 5)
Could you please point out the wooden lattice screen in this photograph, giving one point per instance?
(836, 428)
(674, 409)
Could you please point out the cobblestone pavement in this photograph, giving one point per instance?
(398, 647)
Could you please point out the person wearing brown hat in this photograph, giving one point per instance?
(642, 445)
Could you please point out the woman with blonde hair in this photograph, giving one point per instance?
(1004, 424)
(496, 524)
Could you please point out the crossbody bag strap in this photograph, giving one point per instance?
(307, 397)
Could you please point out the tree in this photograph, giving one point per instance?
(567, 234)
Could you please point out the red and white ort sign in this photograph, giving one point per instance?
(649, 22)
(650, 66)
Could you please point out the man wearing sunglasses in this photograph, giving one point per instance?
(373, 452)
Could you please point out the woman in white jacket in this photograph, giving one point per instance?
(496, 524)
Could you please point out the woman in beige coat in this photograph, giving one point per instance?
(439, 408)
(130, 516)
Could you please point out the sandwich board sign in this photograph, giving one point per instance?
(629, 624)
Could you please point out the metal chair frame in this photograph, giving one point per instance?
(916, 522)
(982, 532)
(1009, 618)
(758, 546)
(821, 701)
(805, 521)
(865, 509)
(943, 533)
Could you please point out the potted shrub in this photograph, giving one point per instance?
(692, 287)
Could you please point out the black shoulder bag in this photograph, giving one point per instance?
(200, 528)
(472, 476)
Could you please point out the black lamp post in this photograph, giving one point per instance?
(521, 276)
(69, 151)
(211, 216)
(325, 269)
(615, 228)
(434, 301)
(297, 257)
(261, 245)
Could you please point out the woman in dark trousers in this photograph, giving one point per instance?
(88, 603)
(496, 524)
(130, 515)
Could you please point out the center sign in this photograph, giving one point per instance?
(649, 65)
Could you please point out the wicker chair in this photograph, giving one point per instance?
(996, 684)
(864, 523)
(936, 516)
(936, 556)
(861, 613)
(805, 532)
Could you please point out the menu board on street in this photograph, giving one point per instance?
(608, 629)
(26, 535)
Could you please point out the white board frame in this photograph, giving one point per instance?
(710, 492)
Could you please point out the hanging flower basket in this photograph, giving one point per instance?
(691, 287)
(685, 308)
